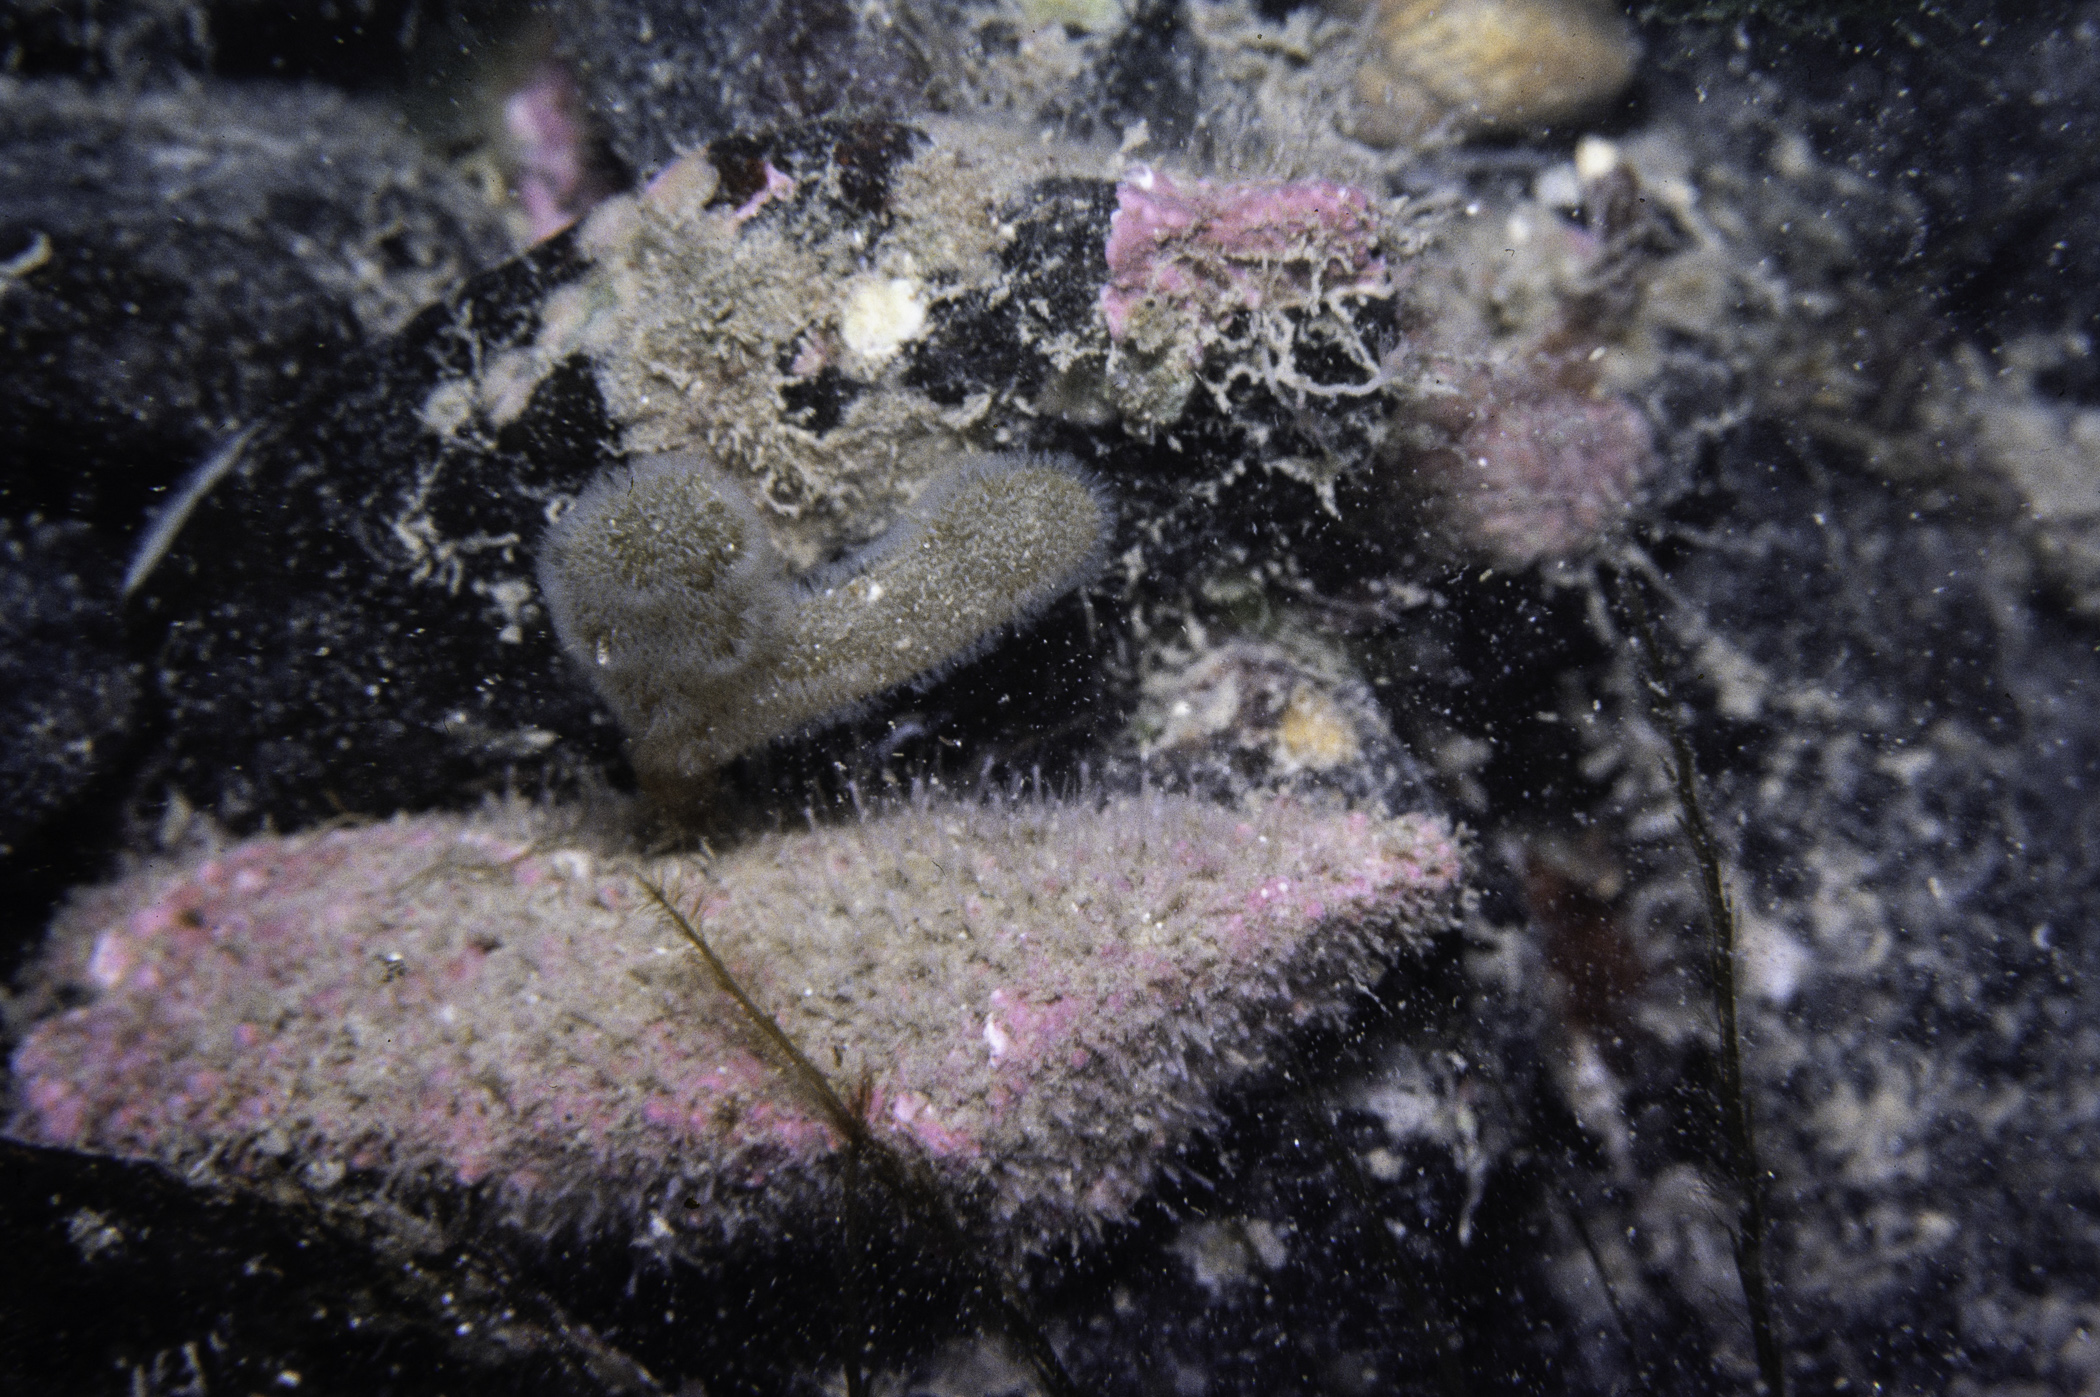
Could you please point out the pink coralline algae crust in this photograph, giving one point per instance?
(1540, 471)
(1042, 999)
(1211, 250)
(549, 145)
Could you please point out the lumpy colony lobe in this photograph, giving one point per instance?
(665, 589)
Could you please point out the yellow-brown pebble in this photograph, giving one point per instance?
(1458, 68)
(1315, 733)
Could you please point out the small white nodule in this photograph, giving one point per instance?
(881, 316)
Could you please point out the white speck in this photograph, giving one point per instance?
(1558, 187)
(1774, 963)
(881, 315)
(39, 252)
(997, 1037)
(510, 596)
(1595, 158)
(324, 1174)
(112, 958)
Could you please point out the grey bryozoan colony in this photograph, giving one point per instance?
(664, 587)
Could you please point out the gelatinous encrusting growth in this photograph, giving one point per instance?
(988, 544)
(663, 585)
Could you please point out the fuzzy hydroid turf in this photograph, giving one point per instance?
(1040, 999)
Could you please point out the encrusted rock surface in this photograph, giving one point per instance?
(1041, 999)
(1794, 344)
(181, 261)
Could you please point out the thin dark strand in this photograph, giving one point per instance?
(815, 1086)
(909, 1185)
(856, 1317)
(1611, 1292)
(1721, 952)
(1582, 1229)
(1437, 1329)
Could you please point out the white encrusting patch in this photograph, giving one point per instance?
(882, 316)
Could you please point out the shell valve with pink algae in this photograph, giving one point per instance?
(1042, 1000)
(1226, 280)
(1218, 249)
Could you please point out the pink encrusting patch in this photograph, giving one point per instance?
(1215, 249)
(777, 187)
(1040, 999)
(1537, 470)
(547, 143)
